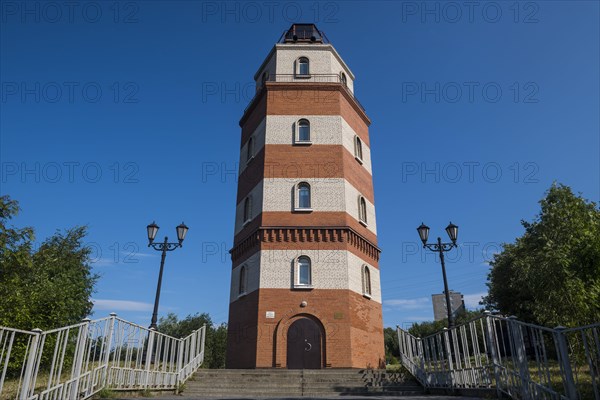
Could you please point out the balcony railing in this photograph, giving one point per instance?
(300, 79)
(305, 78)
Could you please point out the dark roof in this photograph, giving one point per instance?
(303, 33)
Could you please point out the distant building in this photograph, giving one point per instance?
(457, 303)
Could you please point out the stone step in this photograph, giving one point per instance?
(297, 392)
(288, 389)
(246, 378)
(274, 371)
(299, 383)
(201, 379)
(245, 384)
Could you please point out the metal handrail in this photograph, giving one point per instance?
(77, 361)
(522, 360)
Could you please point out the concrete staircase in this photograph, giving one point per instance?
(299, 383)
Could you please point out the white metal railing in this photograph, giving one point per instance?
(522, 360)
(77, 361)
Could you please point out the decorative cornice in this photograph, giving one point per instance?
(286, 234)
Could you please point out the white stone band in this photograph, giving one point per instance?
(327, 195)
(330, 269)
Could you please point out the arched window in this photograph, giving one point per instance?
(247, 209)
(303, 66)
(304, 271)
(242, 283)
(366, 281)
(303, 196)
(362, 210)
(358, 153)
(303, 131)
(250, 150)
(344, 80)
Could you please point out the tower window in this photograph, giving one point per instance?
(303, 193)
(358, 152)
(366, 281)
(250, 150)
(344, 80)
(303, 134)
(247, 209)
(304, 271)
(243, 279)
(303, 66)
(362, 210)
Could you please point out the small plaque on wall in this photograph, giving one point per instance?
(338, 315)
(270, 314)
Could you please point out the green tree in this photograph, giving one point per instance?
(392, 349)
(216, 336)
(218, 348)
(45, 288)
(551, 274)
(424, 329)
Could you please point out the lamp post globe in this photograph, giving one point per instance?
(181, 232)
(152, 230)
(452, 231)
(423, 233)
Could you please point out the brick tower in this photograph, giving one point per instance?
(305, 288)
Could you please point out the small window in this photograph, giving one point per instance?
(362, 210)
(344, 81)
(247, 209)
(242, 283)
(304, 272)
(303, 131)
(303, 66)
(303, 196)
(250, 150)
(366, 281)
(264, 78)
(358, 153)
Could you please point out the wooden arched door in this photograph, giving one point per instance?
(304, 349)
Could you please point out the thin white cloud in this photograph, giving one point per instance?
(121, 305)
(144, 255)
(472, 300)
(408, 304)
(103, 262)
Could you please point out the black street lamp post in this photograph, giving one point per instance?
(440, 247)
(164, 247)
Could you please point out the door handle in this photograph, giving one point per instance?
(308, 344)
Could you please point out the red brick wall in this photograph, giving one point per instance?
(352, 323)
(312, 99)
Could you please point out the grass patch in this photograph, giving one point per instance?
(106, 393)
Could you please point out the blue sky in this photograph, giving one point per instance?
(114, 114)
